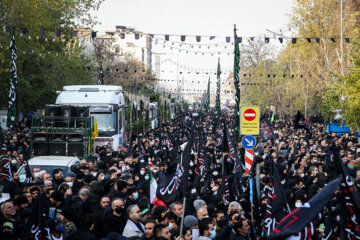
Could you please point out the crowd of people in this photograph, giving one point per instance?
(108, 195)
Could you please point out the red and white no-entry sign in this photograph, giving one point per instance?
(249, 114)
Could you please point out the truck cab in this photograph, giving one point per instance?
(106, 106)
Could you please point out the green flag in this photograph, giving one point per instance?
(272, 117)
(101, 76)
(11, 116)
(217, 102)
(237, 90)
(207, 98)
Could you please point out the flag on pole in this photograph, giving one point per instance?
(207, 97)
(218, 84)
(101, 76)
(37, 227)
(272, 117)
(295, 222)
(172, 186)
(11, 115)
(237, 89)
(29, 177)
(153, 189)
(351, 204)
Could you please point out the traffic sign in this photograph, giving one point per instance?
(248, 142)
(249, 120)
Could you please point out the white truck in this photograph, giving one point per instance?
(107, 105)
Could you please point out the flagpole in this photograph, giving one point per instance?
(182, 217)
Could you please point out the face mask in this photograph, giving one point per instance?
(142, 172)
(170, 226)
(155, 152)
(146, 177)
(102, 178)
(13, 162)
(94, 174)
(195, 233)
(70, 184)
(298, 204)
(191, 164)
(60, 229)
(118, 210)
(302, 175)
(193, 191)
(135, 196)
(213, 234)
(37, 175)
(155, 171)
(142, 161)
(215, 173)
(190, 173)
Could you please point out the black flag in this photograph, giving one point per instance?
(301, 122)
(351, 203)
(201, 163)
(36, 227)
(238, 168)
(169, 185)
(29, 176)
(266, 133)
(299, 218)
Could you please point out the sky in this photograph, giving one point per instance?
(197, 17)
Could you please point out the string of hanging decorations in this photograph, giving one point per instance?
(198, 38)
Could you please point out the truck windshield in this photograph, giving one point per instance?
(106, 123)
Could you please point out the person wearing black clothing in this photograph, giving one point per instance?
(86, 225)
(114, 219)
(242, 229)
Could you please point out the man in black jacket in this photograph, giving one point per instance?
(114, 220)
(86, 226)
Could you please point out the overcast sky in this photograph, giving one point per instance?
(196, 17)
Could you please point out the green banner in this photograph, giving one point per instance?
(237, 90)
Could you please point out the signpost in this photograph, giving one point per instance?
(249, 121)
(249, 125)
(248, 142)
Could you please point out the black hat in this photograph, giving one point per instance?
(68, 213)
(80, 175)
(89, 178)
(57, 196)
(21, 200)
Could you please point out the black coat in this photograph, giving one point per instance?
(82, 234)
(112, 223)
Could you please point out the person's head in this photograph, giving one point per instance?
(133, 212)
(187, 234)
(8, 210)
(149, 228)
(242, 227)
(202, 213)
(104, 202)
(34, 192)
(55, 226)
(161, 230)
(117, 206)
(206, 227)
(122, 186)
(199, 203)
(57, 173)
(177, 208)
(84, 193)
(56, 198)
(46, 177)
(234, 207)
(191, 222)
